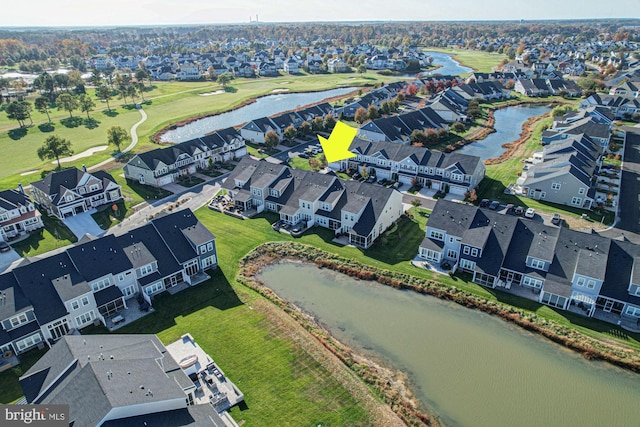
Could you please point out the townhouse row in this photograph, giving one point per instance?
(584, 273)
(453, 172)
(42, 299)
(163, 166)
(358, 210)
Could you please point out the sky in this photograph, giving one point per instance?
(166, 12)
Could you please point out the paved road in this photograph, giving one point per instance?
(628, 224)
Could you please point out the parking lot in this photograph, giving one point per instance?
(509, 209)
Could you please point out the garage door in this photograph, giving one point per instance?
(454, 189)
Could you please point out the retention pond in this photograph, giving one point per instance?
(470, 368)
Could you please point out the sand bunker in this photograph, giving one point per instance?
(280, 90)
(217, 92)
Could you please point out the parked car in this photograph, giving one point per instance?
(355, 176)
(530, 213)
(397, 185)
(4, 247)
(518, 210)
(484, 203)
(371, 179)
(494, 205)
(303, 155)
(555, 219)
(382, 181)
(509, 208)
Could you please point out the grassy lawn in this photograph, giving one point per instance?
(476, 59)
(167, 102)
(299, 163)
(10, 390)
(260, 151)
(107, 217)
(54, 235)
(135, 193)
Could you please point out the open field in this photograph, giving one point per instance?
(476, 59)
(166, 103)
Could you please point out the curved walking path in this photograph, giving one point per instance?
(134, 140)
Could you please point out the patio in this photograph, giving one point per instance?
(130, 314)
(429, 265)
(196, 279)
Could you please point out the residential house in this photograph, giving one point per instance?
(255, 130)
(43, 299)
(290, 66)
(268, 69)
(452, 173)
(189, 71)
(570, 270)
(596, 130)
(116, 380)
(360, 210)
(163, 166)
(73, 191)
(627, 89)
(244, 70)
(18, 215)
(565, 172)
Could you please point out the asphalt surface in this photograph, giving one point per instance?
(628, 224)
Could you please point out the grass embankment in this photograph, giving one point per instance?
(476, 59)
(10, 390)
(166, 103)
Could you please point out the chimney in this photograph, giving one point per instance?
(20, 189)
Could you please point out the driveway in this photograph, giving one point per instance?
(628, 224)
(82, 224)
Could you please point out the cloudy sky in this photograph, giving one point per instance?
(162, 12)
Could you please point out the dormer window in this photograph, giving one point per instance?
(69, 198)
(536, 263)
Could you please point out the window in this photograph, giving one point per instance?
(576, 201)
(466, 250)
(69, 198)
(84, 318)
(465, 264)
(19, 320)
(543, 194)
(209, 246)
(452, 254)
(94, 187)
(129, 290)
(208, 262)
(581, 191)
(537, 263)
(474, 252)
(438, 235)
(634, 290)
(452, 239)
(531, 282)
(633, 311)
(581, 281)
(591, 284)
(75, 305)
(154, 288)
(29, 342)
(203, 249)
(146, 269)
(430, 255)
(100, 284)
(553, 300)
(120, 277)
(555, 185)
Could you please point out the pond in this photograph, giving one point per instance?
(472, 369)
(449, 66)
(508, 126)
(262, 107)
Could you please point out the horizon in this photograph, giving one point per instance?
(78, 14)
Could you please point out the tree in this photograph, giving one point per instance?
(329, 123)
(224, 79)
(42, 105)
(54, 147)
(141, 74)
(96, 78)
(116, 135)
(67, 102)
(104, 92)
(418, 137)
(19, 111)
(361, 69)
(457, 127)
(271, 139)
(75, 78)
(290, 133)
(372, 112)
(305, 128)
(361, 115)
(140, 87)
(473, 109)
(86, 104)
(317, 124)
(416, 202)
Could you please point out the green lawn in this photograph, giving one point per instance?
(107, 217)
(10, 390)
(476, 59)
(54, 235)
(299, 163)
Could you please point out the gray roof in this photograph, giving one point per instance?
(13, 199)
(99, 258)
(102, 372)
(12, 299)
(191, 416)
(170, 228)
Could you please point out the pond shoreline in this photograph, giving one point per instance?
(399, 396)
(156, 137)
